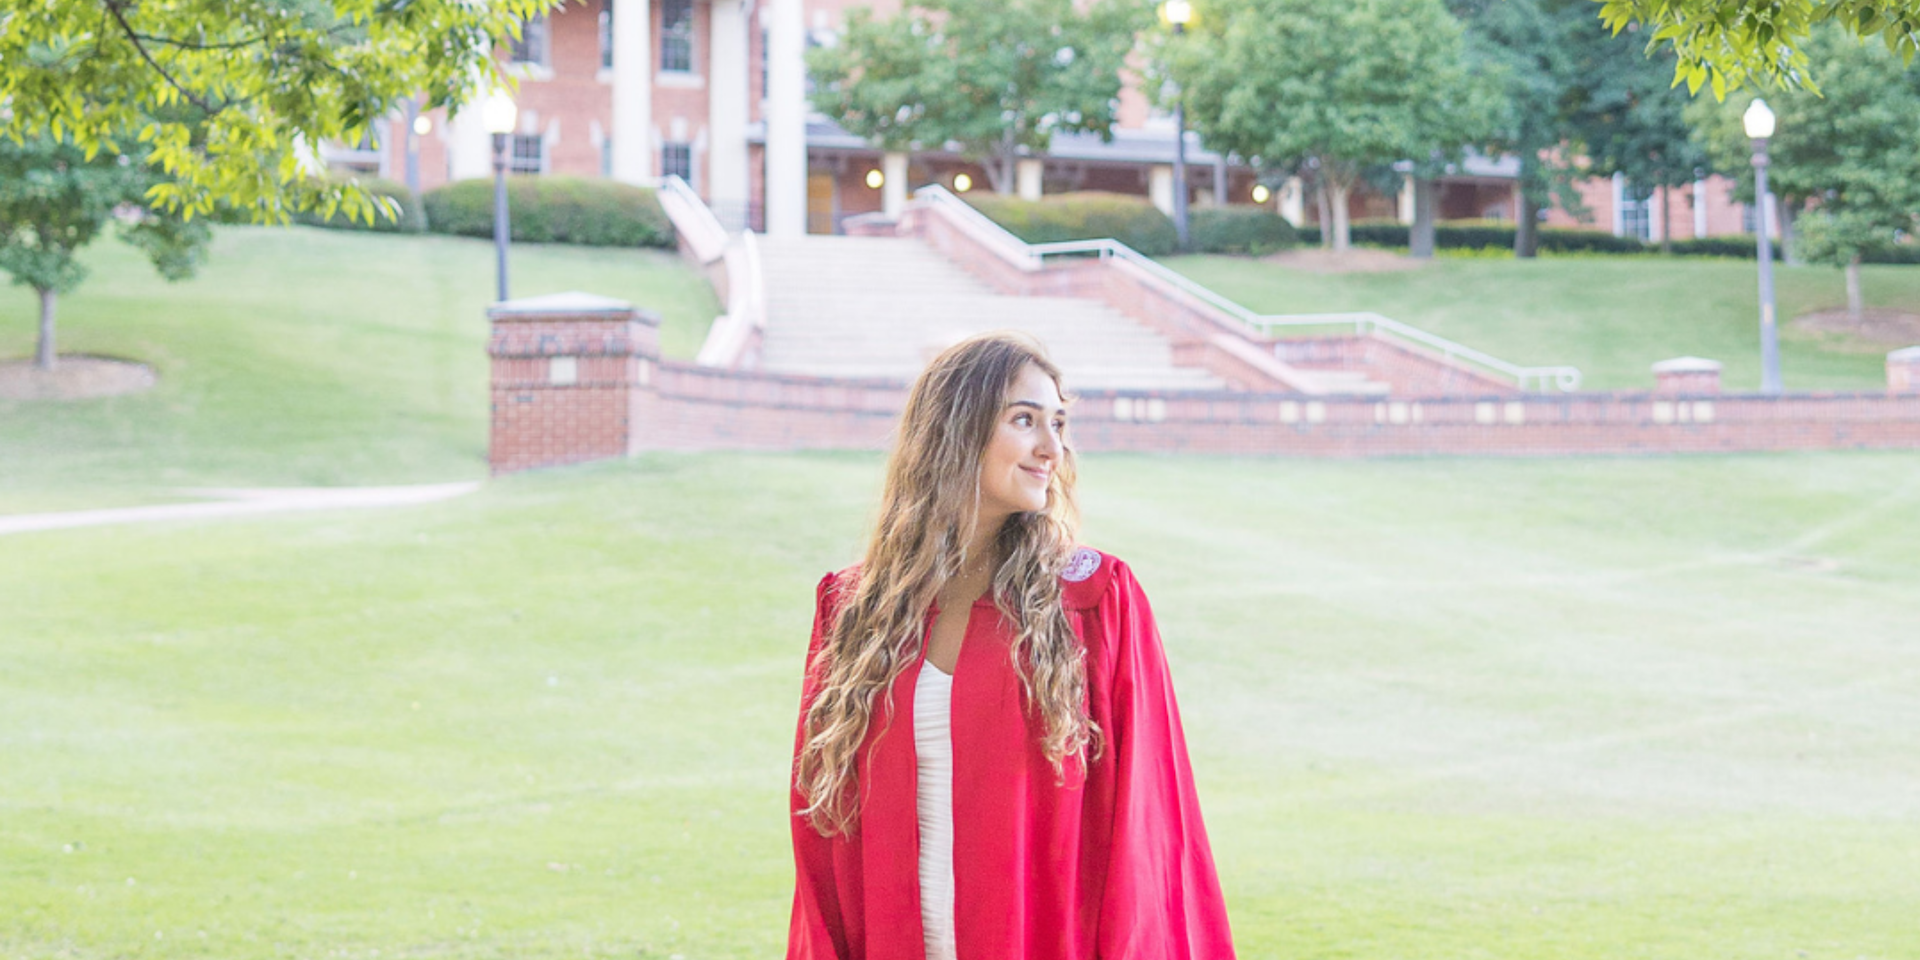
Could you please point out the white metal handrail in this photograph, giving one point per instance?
(1033, 257)
(731, 335)
(750, 285)
(693, 217)
(992, 235)
(1540, 379)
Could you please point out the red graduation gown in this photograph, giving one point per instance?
(1112, 864)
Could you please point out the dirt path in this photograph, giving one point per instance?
(239, 503)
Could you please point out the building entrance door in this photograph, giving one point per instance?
(823, 204)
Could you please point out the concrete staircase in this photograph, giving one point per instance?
(883, 306)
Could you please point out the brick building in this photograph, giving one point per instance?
(714, 91)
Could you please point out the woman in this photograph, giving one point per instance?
(990, 764)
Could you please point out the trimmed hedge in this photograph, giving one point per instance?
(596, 213)
(412, 218)
(1483, 235)
(1905, 253)
(1741, 246)
(1249, 230)
(1082, 216)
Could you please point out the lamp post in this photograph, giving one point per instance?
(1759, 123)
(415, 122)
(1178, 13)
(497, 114)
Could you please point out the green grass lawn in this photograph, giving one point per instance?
(1611, 316)
(297, 356)
(1453, 709)
(1475, 709)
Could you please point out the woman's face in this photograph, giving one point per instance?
(1025, 448)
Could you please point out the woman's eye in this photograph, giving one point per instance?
(1023, 419)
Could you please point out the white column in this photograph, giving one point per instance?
(1293, 201)
(893, 193)
(632, 93)
(727, 111)
(1160, 187)
(1404, 209)
(1699, 209)
(469, 146)
(1027, 176)
(1656, 213)
(1619, 204)
(786, 192)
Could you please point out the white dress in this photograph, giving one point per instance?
(932, 702)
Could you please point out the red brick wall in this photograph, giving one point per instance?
(1410, 371)
(562, 108)
(626, 399)
(1578, 424)
(537, 422)
(703, 408)
(692, 408)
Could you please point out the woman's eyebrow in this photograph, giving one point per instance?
(1035, 405)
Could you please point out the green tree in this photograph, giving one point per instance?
(1629, 118)
(998, 77)
(1525, 45)
(887, 80)
(1796, 173)
(1336, 88)
(1724, 44)
(1846, 155)
(55, 199)
(258, 79)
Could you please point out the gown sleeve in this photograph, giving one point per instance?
(818, 930)
(1162, 896)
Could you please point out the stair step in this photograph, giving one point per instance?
(880, 307)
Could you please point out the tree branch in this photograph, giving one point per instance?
(113, 7)
(190, 45)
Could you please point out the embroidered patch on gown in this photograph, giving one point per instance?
(1081, 565)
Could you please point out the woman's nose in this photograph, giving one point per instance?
(1050, 443)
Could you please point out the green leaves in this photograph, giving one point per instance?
(229, 94)
(1734, 42)
(999, 77)
(56, 197)
(1361, 83)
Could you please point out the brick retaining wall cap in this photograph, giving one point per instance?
(571, 304)
(1687, 365)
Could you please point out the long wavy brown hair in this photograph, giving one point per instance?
(931, 497)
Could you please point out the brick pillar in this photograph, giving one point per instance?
(1903, 371)
(1686, 375)
(567, 369)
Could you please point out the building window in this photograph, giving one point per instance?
(1636, 213)
(763, 64)
(676, 160)
(676, 36)
(531, 46)
(606, 34)
(528, 154)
